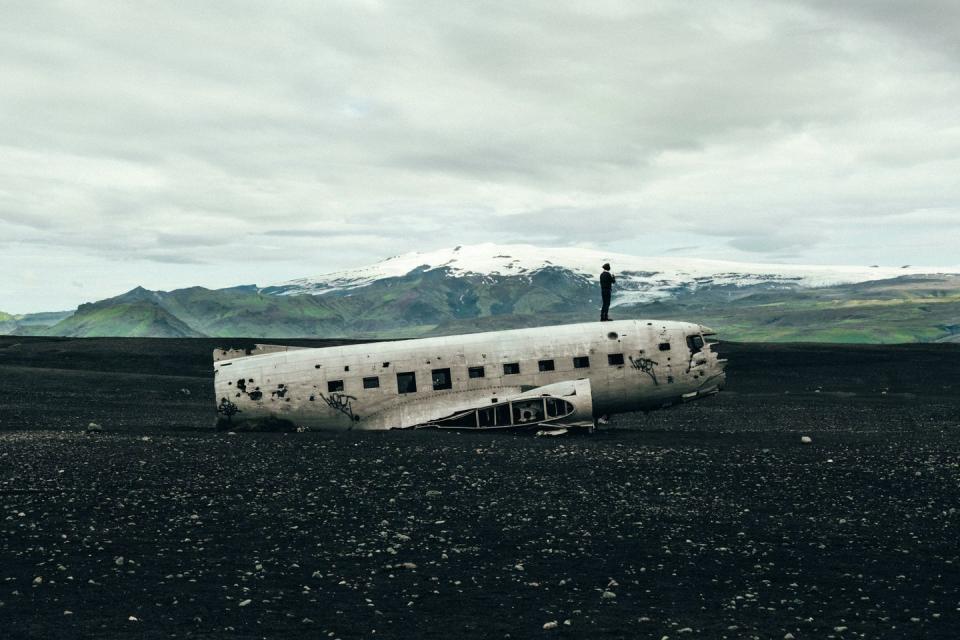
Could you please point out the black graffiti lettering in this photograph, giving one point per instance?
(342, 403)
(645, 365)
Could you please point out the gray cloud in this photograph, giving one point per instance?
(247, 142)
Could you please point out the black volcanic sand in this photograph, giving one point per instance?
(706, 520)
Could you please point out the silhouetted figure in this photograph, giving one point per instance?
(606, 283)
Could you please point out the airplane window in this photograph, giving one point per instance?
(695, 343)
(664, 346)
(371, 383)
(511, 368)
(406, 382)
(503, 414)
(581, 362)
(614, 359)
(334, 385)
(476, 372)
(546, 365)
(441, 379)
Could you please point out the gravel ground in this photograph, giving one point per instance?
(708, 520)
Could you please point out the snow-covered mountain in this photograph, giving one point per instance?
(639, 279)
(492, 287)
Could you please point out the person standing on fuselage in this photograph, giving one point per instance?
(606, 283)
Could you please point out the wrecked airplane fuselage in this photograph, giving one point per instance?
(554, 377)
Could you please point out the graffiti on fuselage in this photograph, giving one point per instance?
(343, 403)
(645, 365)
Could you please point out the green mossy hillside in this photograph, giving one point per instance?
(434, 302)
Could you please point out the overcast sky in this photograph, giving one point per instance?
(169, 144)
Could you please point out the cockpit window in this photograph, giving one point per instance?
(695, 343)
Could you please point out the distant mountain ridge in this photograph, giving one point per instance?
(29, 323)
(639, 279)
(137, 314)
(481, 287)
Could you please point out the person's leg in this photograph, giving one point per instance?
(606, 305)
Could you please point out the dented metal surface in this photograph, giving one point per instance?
(555, 377)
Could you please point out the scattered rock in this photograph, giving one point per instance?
(550, 433)
(547, 626)
(806, 439)
(278, 502)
